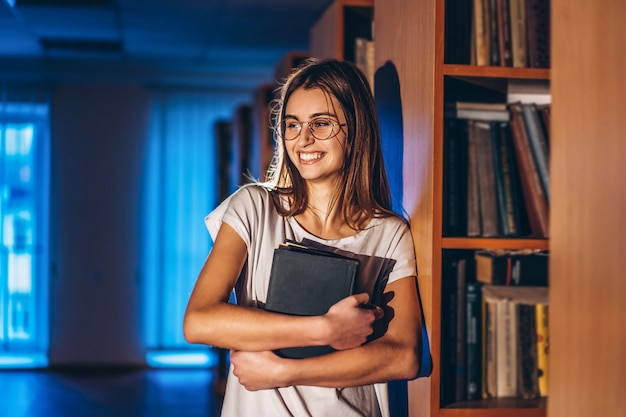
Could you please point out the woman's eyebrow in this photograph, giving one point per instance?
(313, 116)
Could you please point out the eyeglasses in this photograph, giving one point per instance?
(321, 128)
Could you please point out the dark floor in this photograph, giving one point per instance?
(108, 393)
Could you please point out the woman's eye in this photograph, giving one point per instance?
(322, 123)
(292, 125)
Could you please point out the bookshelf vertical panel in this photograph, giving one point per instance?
(406, 49)
(587, 338)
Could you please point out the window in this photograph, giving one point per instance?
(24, 201)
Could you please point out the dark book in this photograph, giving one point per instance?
(449, 318)
(482, 32)
(507, 184)
(539, 144)
(458, 32)
(486, 180)
(519, 45)
(504, 33)
(538, 33)
(535, 198)
(527, 375)
(473, 341)
(512, 267)
(307, 282)
(473, 198)
(455, 178)
(494, 49)
(461, 277)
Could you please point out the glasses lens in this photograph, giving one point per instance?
(323, 128)
(291, 129)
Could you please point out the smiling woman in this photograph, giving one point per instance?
(327, 189)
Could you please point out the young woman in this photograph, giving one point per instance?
(327, 186)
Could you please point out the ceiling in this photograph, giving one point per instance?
(190, 41)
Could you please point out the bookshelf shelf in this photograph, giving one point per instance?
(496, 72)
(493, 243)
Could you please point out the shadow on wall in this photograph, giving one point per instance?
(389, 108)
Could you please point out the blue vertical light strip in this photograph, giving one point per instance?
(25, 175)
(181, 186)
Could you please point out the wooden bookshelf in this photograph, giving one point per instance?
(333, 35)
(410, 36)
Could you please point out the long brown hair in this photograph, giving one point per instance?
(362, 191)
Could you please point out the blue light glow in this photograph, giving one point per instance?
(182, 359)
(19, 361)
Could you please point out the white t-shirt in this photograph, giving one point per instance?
(386, 253)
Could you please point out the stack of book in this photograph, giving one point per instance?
(496, 170)
(507, 33)
(494, 337)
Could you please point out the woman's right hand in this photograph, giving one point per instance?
(350, 323)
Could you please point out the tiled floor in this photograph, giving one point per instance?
(108, 393)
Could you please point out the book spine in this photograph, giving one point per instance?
(473, 374)
(461, 268)
(481, 32)
(527, 352)
(490, 370)
(505, 181)
(473, 199)
(455, 178)
(532, 189)
(538, 33)
(543, 346)
(494, 48)
(506, 351)
(539, 144)
(504, 33)
(486, 182)
(517, 12)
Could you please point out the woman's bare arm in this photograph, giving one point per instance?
(211, 320)
(395, 355)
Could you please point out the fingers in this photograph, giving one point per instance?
(361, 298)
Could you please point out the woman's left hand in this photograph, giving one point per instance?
(257, 370)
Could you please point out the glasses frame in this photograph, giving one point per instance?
(311, 128)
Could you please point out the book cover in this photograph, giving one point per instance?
(538, 33)
(543, 346)
(481, 32)
(504, 33)
(506, 180)
(527, 379)
(519, 46)
(532, 189)
(506, 350)
(539, 144)
(307, 282)
(486, 181)
(455, 177)
(473, 199)
(512, 267)
(461, 366)
(449, 317)
(473, 341)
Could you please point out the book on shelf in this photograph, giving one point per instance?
(478, 111)
(504, 33)
(473, 195)
(527, 371)
(494, 49)
(486, 179)
(452, 365)
(324, 278)
(507, 183)
(482, 32)
(538, 33)
(535, 198)
(364, 58)
(523, 267)
(455, 177)
(473, 341)
(511, 357)
(519, 45)
(543, 346)
(539, 144)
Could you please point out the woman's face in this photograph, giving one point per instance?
(316, 160)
